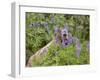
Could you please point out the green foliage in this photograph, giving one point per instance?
(59, 56)
(65, 56)
(37, 37)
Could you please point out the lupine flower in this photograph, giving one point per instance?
(56, 30)
(45, 24)
(78, 48)
(70, 38)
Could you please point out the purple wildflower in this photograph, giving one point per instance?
(57, 30)
(45, 24)
(78, 48)
(70, 38)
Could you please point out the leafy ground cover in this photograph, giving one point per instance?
(40, 31)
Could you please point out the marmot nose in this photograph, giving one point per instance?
(64, 34)
(66, 43)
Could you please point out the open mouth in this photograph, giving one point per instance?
(64, 35)
(64, 41)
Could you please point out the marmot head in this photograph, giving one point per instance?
(61, 35)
